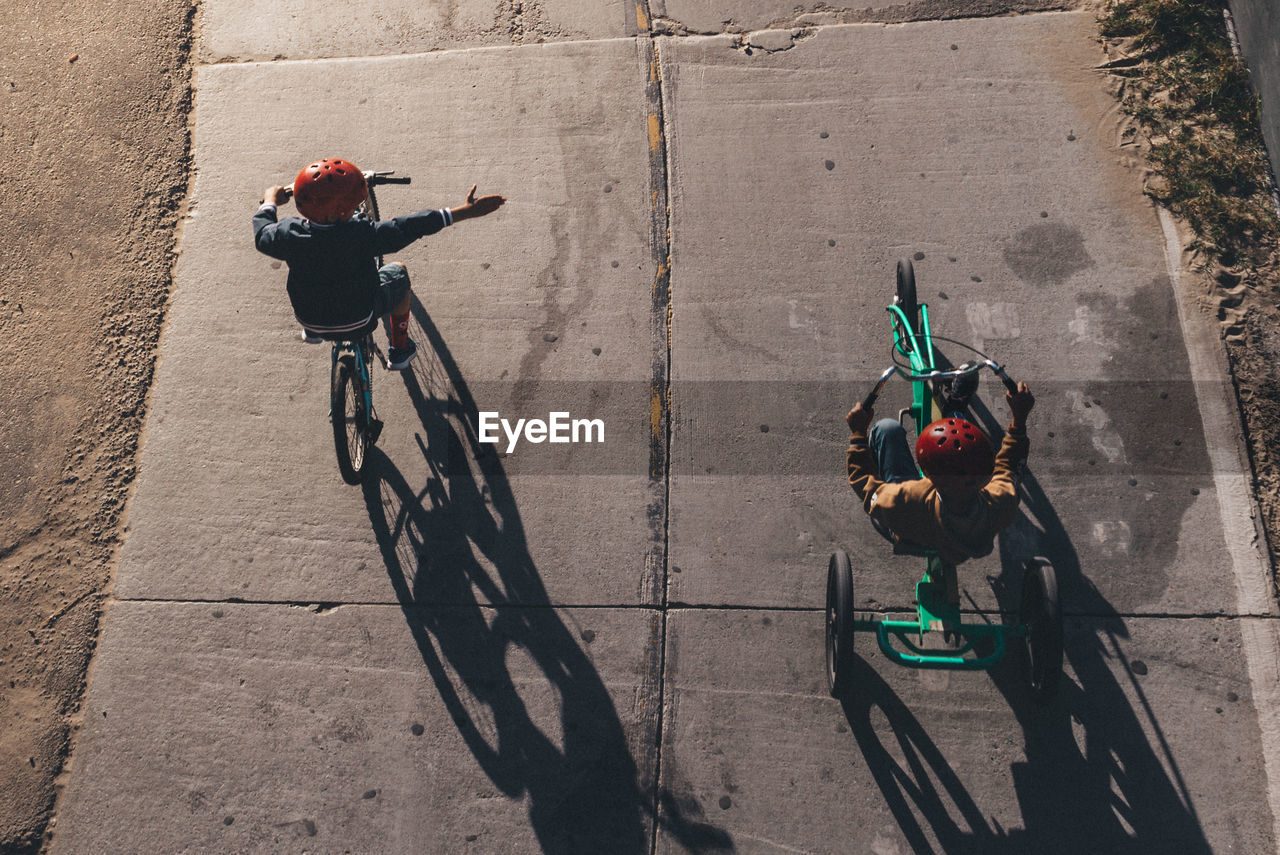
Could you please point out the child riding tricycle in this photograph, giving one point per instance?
(945, 505)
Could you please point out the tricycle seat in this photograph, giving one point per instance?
(902, 547)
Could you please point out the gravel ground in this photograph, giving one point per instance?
(93, 165)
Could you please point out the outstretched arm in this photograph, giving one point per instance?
(394, 235)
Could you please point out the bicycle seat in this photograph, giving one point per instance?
(902, 547)
(355, 335)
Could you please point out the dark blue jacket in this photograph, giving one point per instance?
(333, 273)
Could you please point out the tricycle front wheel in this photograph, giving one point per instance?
(905, 295)
(839, 624)
(1041, 615)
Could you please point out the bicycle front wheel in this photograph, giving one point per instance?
(369, 208)
(350, 420)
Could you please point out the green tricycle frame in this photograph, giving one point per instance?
(1038, 630)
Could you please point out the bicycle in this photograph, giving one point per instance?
(938, 392)
(356, 426)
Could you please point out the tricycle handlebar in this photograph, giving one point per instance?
(965, 369)
(870, 400)
(1008, 381)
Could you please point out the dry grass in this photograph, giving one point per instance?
(1192, 99)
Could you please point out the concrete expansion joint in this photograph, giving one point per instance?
(321, 606)
(886, 609)
(660, 393)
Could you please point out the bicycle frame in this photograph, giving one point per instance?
(360, 350)
(364, 348)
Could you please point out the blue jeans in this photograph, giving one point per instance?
(393, 279)
(888, 443)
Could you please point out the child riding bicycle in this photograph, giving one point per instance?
(968, 494)
(334, 284)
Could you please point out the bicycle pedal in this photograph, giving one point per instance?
(374, 431)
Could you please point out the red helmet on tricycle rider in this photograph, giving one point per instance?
(956, 456)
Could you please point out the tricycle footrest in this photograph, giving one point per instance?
(915, 656)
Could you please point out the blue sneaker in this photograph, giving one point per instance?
(398, 358)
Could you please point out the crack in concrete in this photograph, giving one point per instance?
(523, 22)
(824, 15)
(323, 607)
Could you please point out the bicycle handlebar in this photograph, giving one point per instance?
(375, 178)
(372, 179)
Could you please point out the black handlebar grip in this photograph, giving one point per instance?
(870, 400)
(1008, 383)
(379, 179)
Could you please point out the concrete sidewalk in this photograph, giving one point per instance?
(619, 647)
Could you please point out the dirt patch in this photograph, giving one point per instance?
(94, 146)
(1255, 351)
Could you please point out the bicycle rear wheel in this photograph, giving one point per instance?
(350, 420)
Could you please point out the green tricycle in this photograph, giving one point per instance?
(972, 645)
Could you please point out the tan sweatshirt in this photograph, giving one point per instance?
(914, 512)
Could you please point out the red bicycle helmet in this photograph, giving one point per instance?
(329, 190)
(956, 456)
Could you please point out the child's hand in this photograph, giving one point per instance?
(1020, 404)
(277, 195)
(474, 207)
(859, 418)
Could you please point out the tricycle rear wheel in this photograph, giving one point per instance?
(1041, 615)
(839, 624)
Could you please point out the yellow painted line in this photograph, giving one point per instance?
(655, 132)
(655, 411)
(659, 279)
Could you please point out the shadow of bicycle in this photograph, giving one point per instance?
(468, 618)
